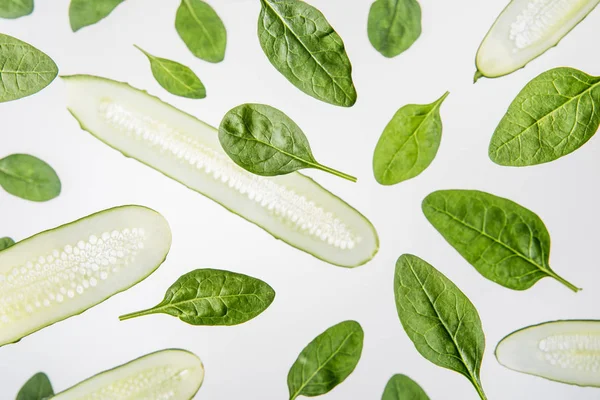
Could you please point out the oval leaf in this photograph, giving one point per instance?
(300, 43)
(15, 8)
(29, 177)
(401, 387)
(439, 319)
(265, 141)
(38, 387)
(327, 361)
(83, 13)
(5, 243)
(554, 115)
(176, 78)
(213, 297)
(24, 70)
(409, 143)
(394, 25)
(202, 30)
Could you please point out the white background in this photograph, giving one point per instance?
(251, 361)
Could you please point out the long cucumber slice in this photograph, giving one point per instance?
(563, 351)
(292, 208)
(64, 271)
(525, 30)
(171, 374)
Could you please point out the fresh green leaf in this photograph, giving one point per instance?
(176, 78)
(265, 141)
(554, 115)
(408, 143)
(202, 30)
(439, 319)
(24, 70)
(300, 43)
(213, 297)
(504, 241)
(401, 387)
(83, 13)
(5, 243)
(38, 387)
(29, 177)
(327, 361)
(394, 25)
(15, 8)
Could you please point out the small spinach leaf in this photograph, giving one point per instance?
(24, 70)
(409, 143)
(504, 241)
(401, 387)
(265, 141)
(213, 297)
(327, 361)
(300, 43)
(554, 115)
(203, 32)
(83, 13)
(439, 319)
(5, 243)
(394, 25)
(15, 8)
(38, 387)
(176, 78)
(29, 177)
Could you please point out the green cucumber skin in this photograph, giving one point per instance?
(99, 302)
(83, 127)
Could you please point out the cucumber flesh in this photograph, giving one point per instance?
(292, 207)
(165, 375)
(64, 271)
(525, 30)
(563, 351)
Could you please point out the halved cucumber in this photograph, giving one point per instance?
(563, 351)
(525, 30)
(292, 207)
(165, 375)
(64, 271)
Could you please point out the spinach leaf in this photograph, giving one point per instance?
(327, 361)
(5, 243)
(394, 25)
(202, 30)
(176, 78)
(401, 387)
(555, 114)
(504, 241)
(24, 70)
(439, 319)
(15, 8)
(265, 141)
(408, 143)
(213, 297)
(300, 43)
(29, 178)
(38, 387)
(83, 13)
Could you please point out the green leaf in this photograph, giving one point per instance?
(265, 141)
(504, 241)
(29, 177)
(300, 43)
(24, 70)
(15, 8)
(327, 361)
(213, 297)
(554, 115)
(38, 387)
(202, 30)
(5, 243)
(176, 78)
(401, 387)
(408, 143)
(83, 13)
(440, 320)
(394, 25)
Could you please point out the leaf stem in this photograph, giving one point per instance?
(137, 314)
(479, 391)
(336, 173)
(563, 281)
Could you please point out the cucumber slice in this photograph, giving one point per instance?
(167, 374)
(64, 271)
(525, 30)
(291, 207)
(562, 351)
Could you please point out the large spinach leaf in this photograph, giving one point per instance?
(401, 387)
(202, 30)
(394, 25)
(38, 387)
(83, 13)
(29, 177)
(15, 8)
